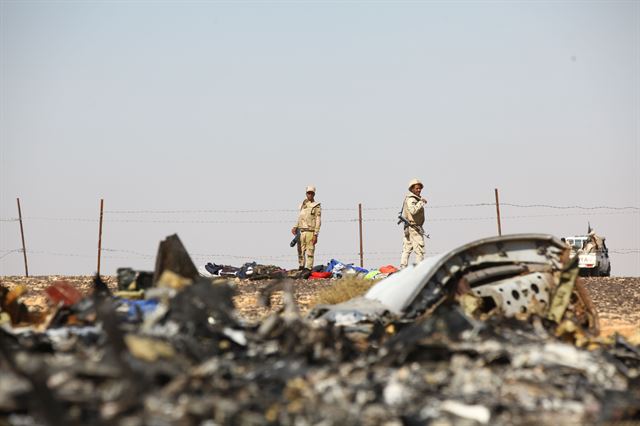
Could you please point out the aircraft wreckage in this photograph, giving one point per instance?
(498, 331)
(514, 275)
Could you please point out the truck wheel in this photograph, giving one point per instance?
(608, 273)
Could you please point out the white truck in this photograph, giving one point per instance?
(592, 262)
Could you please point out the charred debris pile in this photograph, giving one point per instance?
(498, 331)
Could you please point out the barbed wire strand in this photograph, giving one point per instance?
(347, 209)
(549, 206)
(201, 211)
(210, 255)
(246, 222)
(356, 255)
(61, 219)
(222, 211)
(11, 250)
(8, 252)
(131, 252)
(435, 206)
(242, 211)
(473, 218)
(49, 253)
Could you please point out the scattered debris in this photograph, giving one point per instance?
(434, 343)
(63, 293)
(130, 280)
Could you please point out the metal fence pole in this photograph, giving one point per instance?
(498, 212)
(360, 223)
(24, 249)
(100, 233)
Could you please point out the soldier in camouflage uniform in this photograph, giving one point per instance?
(309, 226)
(413, 212)
(594, 243)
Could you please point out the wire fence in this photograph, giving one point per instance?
(129, 254)
(143, 216)
(613, 210)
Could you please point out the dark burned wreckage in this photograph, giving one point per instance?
(514, 275)
(499, 331)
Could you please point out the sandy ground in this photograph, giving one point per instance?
(617, 298)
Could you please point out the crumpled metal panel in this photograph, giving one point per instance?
(396, 291)
(415, 289)
(508, 249)
(519, 294)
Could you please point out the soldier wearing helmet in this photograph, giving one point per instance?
(309, 226)
(413, 214)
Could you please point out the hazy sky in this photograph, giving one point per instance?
(202, 107)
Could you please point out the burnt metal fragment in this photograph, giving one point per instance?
(173, 256)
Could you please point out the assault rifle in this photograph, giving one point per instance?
(402, 219)
(296, 239)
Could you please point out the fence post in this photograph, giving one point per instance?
(498, 212)
(100, 233)
(24, 249)
(360, 222)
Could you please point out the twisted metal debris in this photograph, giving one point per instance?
(451, 359)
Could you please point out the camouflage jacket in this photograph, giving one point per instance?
(309, 216)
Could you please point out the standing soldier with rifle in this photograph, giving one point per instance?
(308, 227)
(412, 216)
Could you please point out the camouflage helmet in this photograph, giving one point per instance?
(311, 188)
(415, 181)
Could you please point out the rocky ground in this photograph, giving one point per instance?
(617, 298)
(618, 303)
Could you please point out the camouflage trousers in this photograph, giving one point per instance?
(412, 241)
(306, 249)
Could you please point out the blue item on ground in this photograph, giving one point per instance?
(338, 268)
(137, 307)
